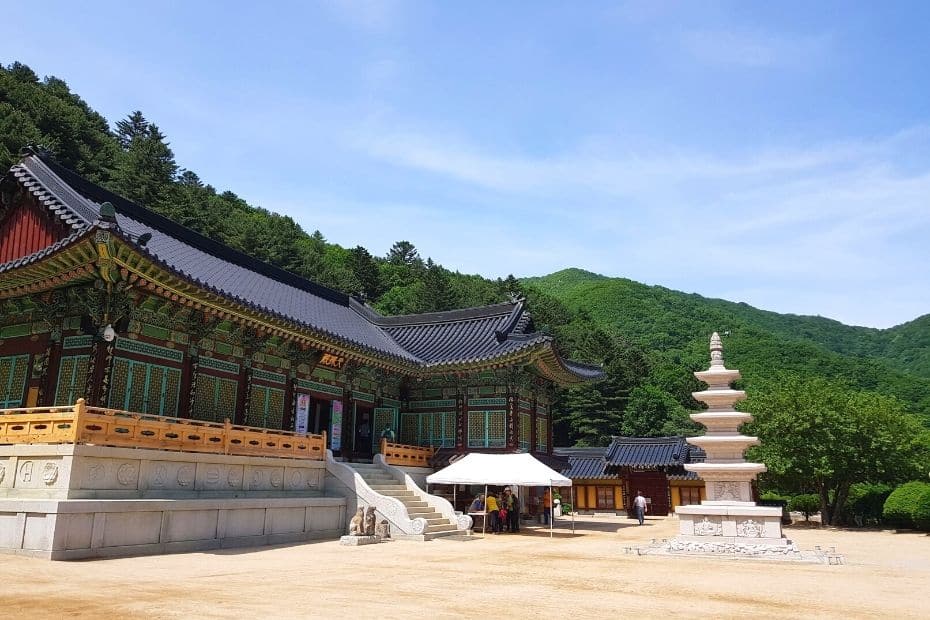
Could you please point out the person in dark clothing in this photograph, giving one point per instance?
(513, 511)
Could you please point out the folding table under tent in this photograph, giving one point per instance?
(503, 469)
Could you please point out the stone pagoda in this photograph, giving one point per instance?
(728, 521)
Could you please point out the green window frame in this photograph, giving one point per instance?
(144, 388)
(266, 407)
(215, 398)
(542, 434)
(72, 379)
(525, 431)
(14, 369)
(428, 429)
(383, 417)
(487, 429)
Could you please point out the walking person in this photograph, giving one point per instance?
(640, 506)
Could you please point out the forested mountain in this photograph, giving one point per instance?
(649, 339)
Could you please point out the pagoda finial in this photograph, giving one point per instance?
(716, 350)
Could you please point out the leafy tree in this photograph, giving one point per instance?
(807, 503)
(652, 412)
(820, 437)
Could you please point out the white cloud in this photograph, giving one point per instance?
(746, 49)
(815, 222)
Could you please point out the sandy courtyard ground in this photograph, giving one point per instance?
(507, 576)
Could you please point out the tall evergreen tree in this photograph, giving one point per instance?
(439, 293)
(147, 167)
(366, 272)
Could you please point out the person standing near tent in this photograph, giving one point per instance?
(513, 511)
(639, 506)
(547, 506)
(491, 509)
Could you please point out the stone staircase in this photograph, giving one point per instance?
(383, 483)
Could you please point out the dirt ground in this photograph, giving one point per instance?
(586, 575)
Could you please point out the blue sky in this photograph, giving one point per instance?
(772, 153)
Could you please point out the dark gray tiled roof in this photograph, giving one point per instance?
(647, 452)
(585, 463)
(437, 339)
(473, 334)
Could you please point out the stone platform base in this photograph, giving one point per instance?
(355, 541)
(78, 529)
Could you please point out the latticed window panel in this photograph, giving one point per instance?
(409, 428)
(13, 371)
(384, 417)
(72, 379)
(266, 407)
(143, 387)
(542, 434)
(215, 399)
(448, 429)
(497, 429)
(525, 431)
(487, 429)
(477, 437)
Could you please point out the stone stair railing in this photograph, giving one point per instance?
(436, 502)
(388, 507)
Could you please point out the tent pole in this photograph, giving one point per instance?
(454, 487)
(573, 509)
(551, 510)
(484, 526)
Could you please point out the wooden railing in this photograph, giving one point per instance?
(81, 424)
(405, 455)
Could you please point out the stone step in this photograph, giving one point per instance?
(448, 527)
(416, 504)
(397, 494)
(387, 487)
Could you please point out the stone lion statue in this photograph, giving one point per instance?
(357, 524)
(383, 531)
(370, 521)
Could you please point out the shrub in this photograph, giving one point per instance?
(808, 504)
(901, 504)
(774, 496)
(922, 511)
(866, 502)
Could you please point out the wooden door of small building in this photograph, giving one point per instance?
(654, 486)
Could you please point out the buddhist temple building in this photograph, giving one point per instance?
(607, 479)
(106, 300)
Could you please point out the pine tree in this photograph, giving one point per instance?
(147, 167)
(439, 293)
(133, 126)
(366, 272)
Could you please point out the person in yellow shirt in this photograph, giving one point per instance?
(491, 510)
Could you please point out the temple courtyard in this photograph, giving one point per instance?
(585, 575)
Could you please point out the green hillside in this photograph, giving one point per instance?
(676, 326)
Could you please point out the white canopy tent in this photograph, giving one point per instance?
(502, 469)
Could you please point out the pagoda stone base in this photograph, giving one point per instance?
(732, 529)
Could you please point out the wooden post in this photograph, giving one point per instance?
(227, 426)
(80, 410)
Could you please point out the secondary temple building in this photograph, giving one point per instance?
(140, 360)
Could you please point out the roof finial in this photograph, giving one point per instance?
(716, 350)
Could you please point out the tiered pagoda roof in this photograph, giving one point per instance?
(186, 264)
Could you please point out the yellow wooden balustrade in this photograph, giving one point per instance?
(81, 424)
(406, 455)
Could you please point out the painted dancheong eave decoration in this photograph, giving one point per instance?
(94, 235)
